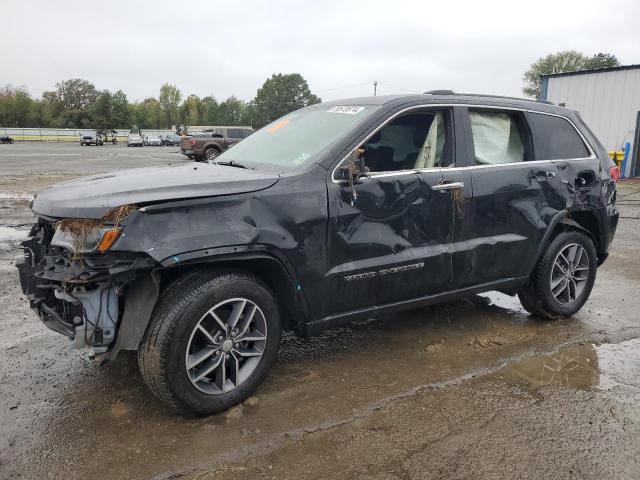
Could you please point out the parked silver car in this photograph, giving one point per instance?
(90, 139)
(134, 140)
(151, 139)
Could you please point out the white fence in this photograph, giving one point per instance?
(63, 134)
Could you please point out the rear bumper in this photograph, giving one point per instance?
(609, 216)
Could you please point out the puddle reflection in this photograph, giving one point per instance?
(581, 367)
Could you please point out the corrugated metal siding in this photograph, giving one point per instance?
(608, 101)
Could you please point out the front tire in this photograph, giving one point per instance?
(563, 278)
(211, 341)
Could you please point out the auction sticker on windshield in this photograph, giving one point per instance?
(348, 109)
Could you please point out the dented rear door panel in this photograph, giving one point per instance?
(512, 208)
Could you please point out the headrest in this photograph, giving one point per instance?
(419, 136)
(375, 138)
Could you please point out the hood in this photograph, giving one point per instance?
(92, 197)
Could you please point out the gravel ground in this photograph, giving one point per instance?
(470, 389)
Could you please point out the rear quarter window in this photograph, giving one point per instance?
(555, 138)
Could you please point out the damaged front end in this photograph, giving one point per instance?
(73, 282)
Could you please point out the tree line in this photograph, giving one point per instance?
(562, 62)
(76, 103)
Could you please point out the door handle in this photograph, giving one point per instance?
(542, 174)
(448, 186)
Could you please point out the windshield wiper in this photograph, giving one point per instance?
(232, 163)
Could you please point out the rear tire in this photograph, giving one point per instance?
(563, 278)
(171, 352)
(210, 154)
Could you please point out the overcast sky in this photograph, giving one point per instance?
(230, 48)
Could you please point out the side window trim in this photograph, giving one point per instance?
(458, 111)
(453, 138)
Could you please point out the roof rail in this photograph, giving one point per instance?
(439, 92)
(451, 92)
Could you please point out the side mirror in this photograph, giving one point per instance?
(354, 168)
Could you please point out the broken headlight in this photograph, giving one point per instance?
(85, 236)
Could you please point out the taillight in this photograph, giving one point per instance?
(193, 143)
(615, 173)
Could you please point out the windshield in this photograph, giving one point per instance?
(298, 137)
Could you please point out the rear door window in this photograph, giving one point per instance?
(554, 138)
(499, 137)
(238, 133)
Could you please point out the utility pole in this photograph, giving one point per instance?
(375, 87)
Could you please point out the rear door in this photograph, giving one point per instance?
(578, 169)
(516, 194)
(235, 135)
(398, 233)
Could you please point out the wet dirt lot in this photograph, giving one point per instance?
(470, 389)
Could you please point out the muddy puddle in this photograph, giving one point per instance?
(585, 366)
(10, 234)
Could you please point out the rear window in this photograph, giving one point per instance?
(554, 138)
(238, 132)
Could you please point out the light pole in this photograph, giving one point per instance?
(375, 87)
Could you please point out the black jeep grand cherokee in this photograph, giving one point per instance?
(335, 212)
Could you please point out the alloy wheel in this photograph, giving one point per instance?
(211, 154)
(569, 274)
(226, 346)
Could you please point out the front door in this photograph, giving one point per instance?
(397, 233)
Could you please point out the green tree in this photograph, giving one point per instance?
(170, 98)
(561, 62)
(230, 112)
(191, 111)
(209, 108)
(17, 108)
(100, 110)
(601, 60)
(120, 117)
(69, 103)
(74, 94)
(146, 114)
(40, 115)
(249, 114)
(281, 94)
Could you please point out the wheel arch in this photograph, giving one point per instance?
(210, 146)
(142, 294)
(584, 221)
(270, 269)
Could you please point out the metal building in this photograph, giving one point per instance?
(608, 100)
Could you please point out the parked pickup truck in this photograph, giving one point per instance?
(211, 143)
